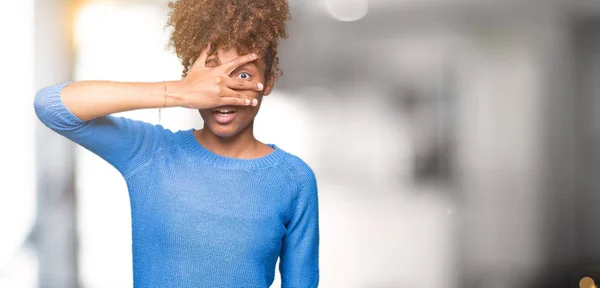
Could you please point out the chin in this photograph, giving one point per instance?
(224, 131)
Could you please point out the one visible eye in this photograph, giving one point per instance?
(243, 76)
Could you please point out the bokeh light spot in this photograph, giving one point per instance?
(587, 282)
(347, 10)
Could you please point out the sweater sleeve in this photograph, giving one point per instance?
(124, 143)
(299, 257)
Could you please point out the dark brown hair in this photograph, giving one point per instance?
(250, 26)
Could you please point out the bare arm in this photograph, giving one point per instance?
(91, 99)
(203, 88)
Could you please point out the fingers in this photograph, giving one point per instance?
(239, 84)
(237, 62)
(229, 96)
(234, 101)
(201, 60)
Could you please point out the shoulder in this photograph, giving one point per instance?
(300, 171)
(142, 131)
(306, 193)
(136, 125)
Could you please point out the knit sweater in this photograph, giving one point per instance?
(200, 219)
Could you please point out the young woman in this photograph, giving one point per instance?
(213, 207)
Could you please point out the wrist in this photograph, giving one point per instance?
(173, 92)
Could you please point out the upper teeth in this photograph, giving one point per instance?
(224, 111)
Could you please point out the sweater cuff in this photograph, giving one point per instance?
(54, 103)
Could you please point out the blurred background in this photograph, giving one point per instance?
(456, 143)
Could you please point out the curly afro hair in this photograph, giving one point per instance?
(250, 26)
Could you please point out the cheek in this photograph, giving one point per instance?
(204, 113)
(250, 94)
(248, 113)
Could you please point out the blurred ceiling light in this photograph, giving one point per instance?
(347, 10)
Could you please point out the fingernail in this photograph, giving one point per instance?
(254, 55)
(260, 86)
(247, 101)
(254, 102)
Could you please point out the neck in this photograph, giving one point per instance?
(241, 145)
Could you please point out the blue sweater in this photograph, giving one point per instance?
(200, 219)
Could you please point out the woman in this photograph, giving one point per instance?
(213, 207)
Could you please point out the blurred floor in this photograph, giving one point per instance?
(383, 237)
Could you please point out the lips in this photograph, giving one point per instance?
(224, 115)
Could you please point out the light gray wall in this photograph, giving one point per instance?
(55, 232)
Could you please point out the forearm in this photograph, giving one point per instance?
(91, 99)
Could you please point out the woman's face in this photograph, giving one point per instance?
(228, 121)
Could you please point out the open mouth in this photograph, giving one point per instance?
(224, 115)
(223, 112)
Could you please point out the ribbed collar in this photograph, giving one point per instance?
(228, 162)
